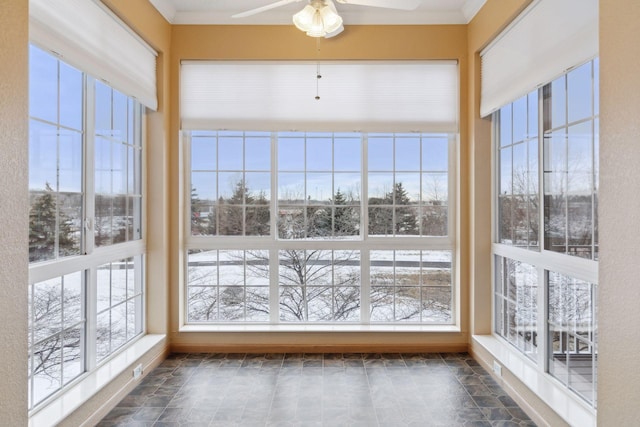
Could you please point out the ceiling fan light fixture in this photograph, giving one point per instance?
(304, 19)
(318, 19)
(332, 21)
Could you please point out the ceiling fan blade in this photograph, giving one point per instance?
(388, 4)
(264, 8)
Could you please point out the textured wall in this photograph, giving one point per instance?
(619, 210)
(14, 211)
(286, 42)
(490, 20)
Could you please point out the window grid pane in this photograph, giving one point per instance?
(516, 293)
(61, 319)
(564, 158)
(572, 333)
(56, 334)
(318, 180)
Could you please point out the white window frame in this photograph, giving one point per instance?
(543, 261)
(364, 244)
(91, 258)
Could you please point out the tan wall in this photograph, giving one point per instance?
(619, 214)
(14, 210)
(155, 30)
(286, 42)
(488, 22)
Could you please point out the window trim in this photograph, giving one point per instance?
(91, 257)
(541, 259)
(364, 243)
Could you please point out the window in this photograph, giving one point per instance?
(546, 246)
(85, 151)
(320, 227)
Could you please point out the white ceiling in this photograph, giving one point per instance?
(220, 11)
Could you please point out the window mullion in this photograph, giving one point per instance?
(274, 272)
(89, 165)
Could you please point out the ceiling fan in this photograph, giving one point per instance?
(319, 18)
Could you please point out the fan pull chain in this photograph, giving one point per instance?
(318, 75)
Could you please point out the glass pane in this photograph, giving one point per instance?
(72, 353)
(291, 188)
(318, 222)
(407, 153)
(231, 187)
(43, 85)
(118, 326)
(258, 153)
(291, 154)
(319, 188)
(580, 91)
(257, 304)
(346, 220)
(506, 126)
(104, 225)
(435, 154)
(555, 188)
(103, 335)
(203, 153)
(47, 308)
(118, 282)
(119, 168)
(291, 222)
(47, 368)
(347, 188)
(571, 322)
(71, 99)
(558, 107)
(257, 268)
(230, 153)
(380, 220)
(532, 114)
(380, 154)
(103, 161)
(230, 220)
(43, 155)
(103, 288)
(520, 119)
(380, 188)
(319, 154)
(103, 109)
(202, 304)
(347, 154)
(72, 299)
(120, 116)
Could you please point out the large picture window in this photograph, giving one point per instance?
(85, 188)
(320, 227)
(546, 245)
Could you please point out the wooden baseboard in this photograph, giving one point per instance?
(322, 348)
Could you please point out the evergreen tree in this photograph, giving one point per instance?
(257, 221)
(198, 222)
(46, 225)
(406, 221)
(345, 219)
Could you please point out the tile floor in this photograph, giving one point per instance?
(318, 390)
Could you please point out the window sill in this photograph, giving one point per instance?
(68, 401)
(320, 328)
(566, 404)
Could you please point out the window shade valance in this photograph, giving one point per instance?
(90, 38)
(547, 39)
(354, 96)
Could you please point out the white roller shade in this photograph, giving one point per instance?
(90, 38)
(547, 39)
(354, 96)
